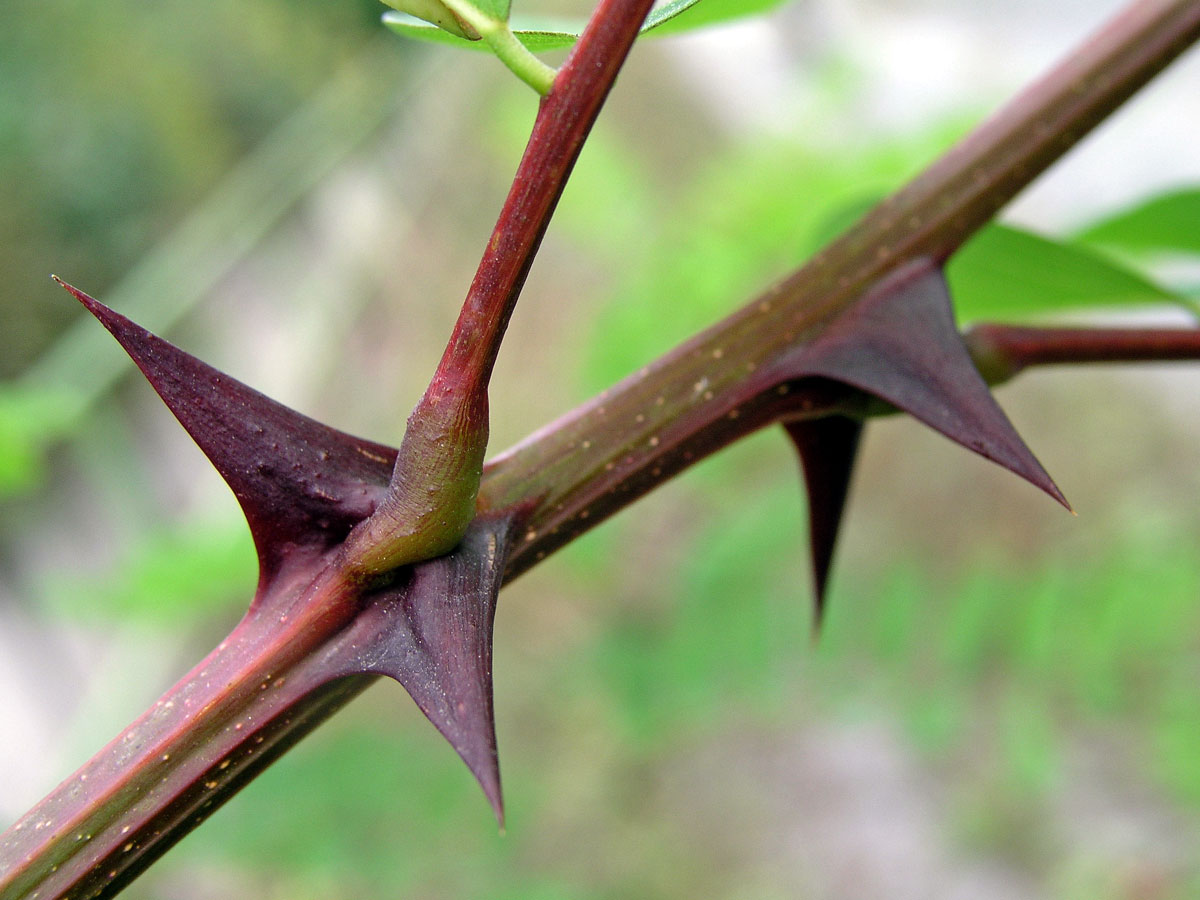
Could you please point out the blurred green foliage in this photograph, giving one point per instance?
(187, 572)
(117, 117)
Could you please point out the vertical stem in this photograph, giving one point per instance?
(565, 117)
(436, 480)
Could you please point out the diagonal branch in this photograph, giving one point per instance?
(564, 120)
(697, 398)
(723, 384)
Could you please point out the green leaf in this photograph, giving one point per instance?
(496, 9)
(1166, 223)
(536, 35)
(466, 22)
(461, 23)
(544, 34)
(684, 15)
(1006, 272)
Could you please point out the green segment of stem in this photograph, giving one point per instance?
(500, 38)
(431, 500)
(436, 480)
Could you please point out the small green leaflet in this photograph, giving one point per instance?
(443, 17)
(542, 34)
(1006, 273)
(684, 15)
(439, 16)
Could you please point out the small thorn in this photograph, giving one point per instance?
(827, 448)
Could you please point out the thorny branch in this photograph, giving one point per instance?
(794, 354)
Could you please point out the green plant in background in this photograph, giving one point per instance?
(378, 561)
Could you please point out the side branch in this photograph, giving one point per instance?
(564, 120)
(435, 483)
(1003, 351)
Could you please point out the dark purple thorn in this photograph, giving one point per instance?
(432, 632)
(827, 448)
(300, 483)
(899, 343)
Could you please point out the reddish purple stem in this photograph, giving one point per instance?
(564, 120)
(1003, 351)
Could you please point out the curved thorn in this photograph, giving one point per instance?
(299, 482)
(899, 343)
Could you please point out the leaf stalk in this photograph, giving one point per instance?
(499, 37)
(1004, 351)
